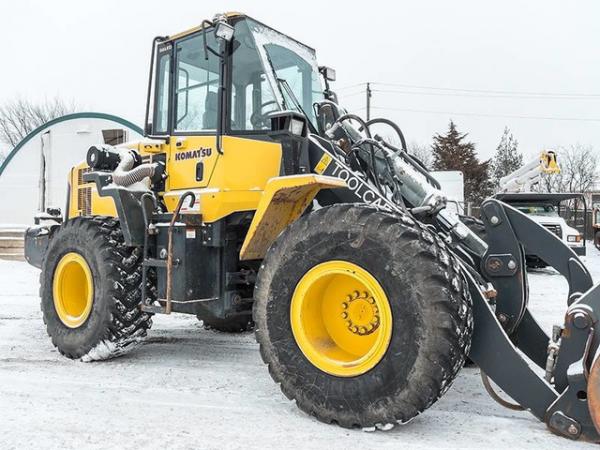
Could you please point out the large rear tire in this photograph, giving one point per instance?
(388, 349)
(90, 290)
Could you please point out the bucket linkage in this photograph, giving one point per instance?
(508, 342)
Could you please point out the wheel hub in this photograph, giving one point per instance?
(360, 312)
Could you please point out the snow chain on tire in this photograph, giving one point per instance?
(115, 324)
(431, 309)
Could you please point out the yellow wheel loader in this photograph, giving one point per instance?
(255, 196)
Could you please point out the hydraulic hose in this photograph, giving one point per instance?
(391, 124)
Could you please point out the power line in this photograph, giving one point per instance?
(489, 91)
(350, 86)
(504, 116)
(344, 95)
(471, 95)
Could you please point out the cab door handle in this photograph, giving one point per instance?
(199, 171)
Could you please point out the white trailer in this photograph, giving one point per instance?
(33, 177)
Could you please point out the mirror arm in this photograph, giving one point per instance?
(206, 22)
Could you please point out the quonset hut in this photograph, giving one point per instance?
(33, 177)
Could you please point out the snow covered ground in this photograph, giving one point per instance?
(191, 388)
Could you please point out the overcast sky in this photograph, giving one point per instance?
(97, 53)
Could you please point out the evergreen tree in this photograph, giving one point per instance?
(507, 158)
(452, 152)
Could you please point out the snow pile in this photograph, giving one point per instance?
(191, 388)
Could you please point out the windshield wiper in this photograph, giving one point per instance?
(275, 75)
(283, 83)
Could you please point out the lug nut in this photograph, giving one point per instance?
(344, 305)
(495, 220)
(344, 315)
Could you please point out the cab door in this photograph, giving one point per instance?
(193, 154)
(230, 178)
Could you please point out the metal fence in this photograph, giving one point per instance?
(580, 220)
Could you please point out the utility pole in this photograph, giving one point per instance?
(369, 101)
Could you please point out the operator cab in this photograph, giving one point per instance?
(207, 81)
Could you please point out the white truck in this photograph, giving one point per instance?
(544, 208)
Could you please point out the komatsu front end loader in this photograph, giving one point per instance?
(255, 196)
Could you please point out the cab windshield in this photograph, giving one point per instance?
(271, 72)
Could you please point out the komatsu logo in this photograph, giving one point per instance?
(193, 154)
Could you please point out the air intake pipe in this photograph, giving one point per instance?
(124, 163)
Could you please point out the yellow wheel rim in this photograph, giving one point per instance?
(341, 318)
(73, 289)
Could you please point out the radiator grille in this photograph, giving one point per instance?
(553, 228)
(80, 173)
(84, 201)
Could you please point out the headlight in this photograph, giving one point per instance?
(224, 31)
(574, 238)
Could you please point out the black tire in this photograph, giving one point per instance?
(237, 324)
(115, 324)
(535, 262)
(429, 299)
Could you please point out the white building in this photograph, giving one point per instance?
(34, 175)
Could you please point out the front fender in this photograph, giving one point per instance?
(283, 201)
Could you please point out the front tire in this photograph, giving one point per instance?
(91, 289)
(346, 378)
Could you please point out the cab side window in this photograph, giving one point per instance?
(161, 111)
(197, 83)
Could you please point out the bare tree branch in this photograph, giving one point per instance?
(19, 117)
(422, 153)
